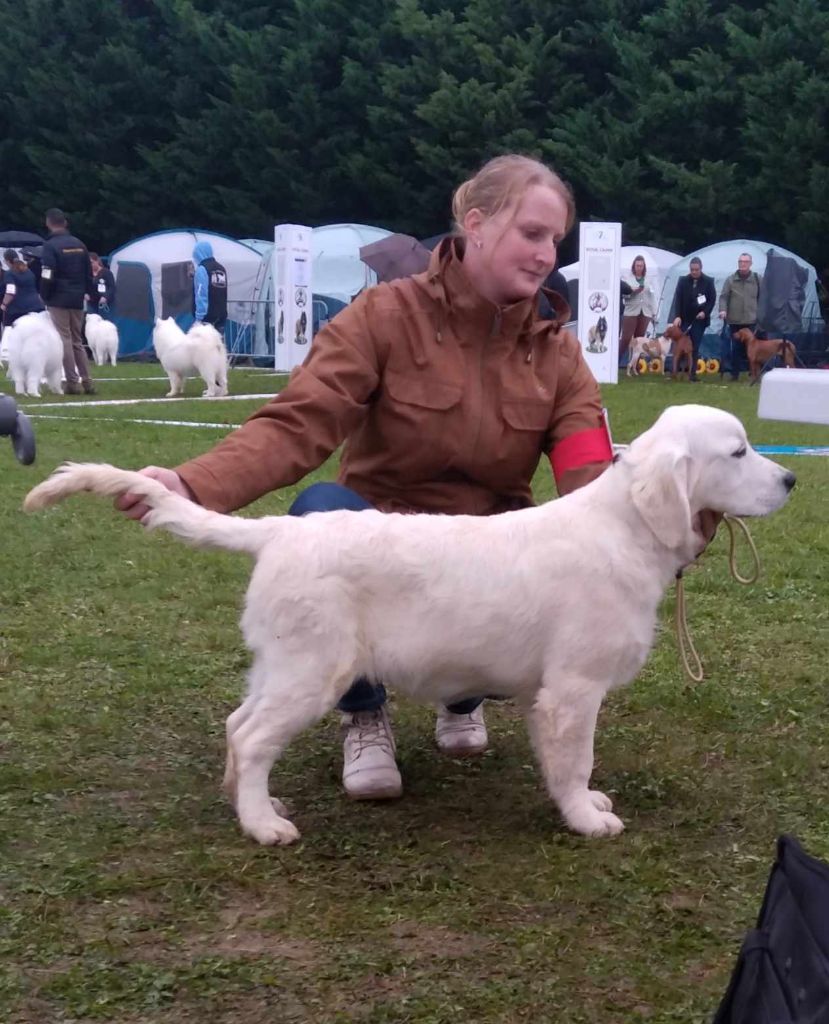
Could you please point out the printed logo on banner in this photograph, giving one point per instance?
(599, 298)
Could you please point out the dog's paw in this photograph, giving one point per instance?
(279, 807)
(591, 816)
(599, 800)
(272, 830)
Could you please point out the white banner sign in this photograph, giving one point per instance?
(293, 300)
(599, 298)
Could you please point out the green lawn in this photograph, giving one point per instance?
(127, 893)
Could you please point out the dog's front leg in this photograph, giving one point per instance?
(561, 723)
(176, 384)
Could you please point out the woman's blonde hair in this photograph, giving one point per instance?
(500, 185)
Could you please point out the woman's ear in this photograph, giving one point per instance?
(473, 223)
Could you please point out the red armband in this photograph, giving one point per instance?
(580, 449)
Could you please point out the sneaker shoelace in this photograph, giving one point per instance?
(370, 732)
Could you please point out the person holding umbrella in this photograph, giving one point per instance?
(447, 389)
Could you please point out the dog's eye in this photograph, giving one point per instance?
(739, 453)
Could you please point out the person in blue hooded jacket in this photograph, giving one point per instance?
(209, 287)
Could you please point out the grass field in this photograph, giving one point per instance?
(127, 893)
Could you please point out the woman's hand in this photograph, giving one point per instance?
(134, 508)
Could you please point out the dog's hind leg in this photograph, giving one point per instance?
(236, 719)
(288, 701)
(54, 383)
(33, 382)
(561, 723)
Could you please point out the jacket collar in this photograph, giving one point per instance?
(447, 282)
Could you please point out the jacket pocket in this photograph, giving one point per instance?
(426, 393)
(526, 414)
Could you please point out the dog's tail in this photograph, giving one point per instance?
(169, 511)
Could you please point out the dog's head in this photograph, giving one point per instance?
(693, 458)
(744, 335)
(673, 332)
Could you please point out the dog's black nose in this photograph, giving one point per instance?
(789, 480)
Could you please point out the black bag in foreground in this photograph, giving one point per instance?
(782, 973)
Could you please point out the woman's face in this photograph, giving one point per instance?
(638, 268)
(519, 246)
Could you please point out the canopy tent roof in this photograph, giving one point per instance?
(658, 261)
(720, 261)
(336, 268)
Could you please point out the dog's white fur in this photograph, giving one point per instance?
(201, 351)
(654, 347)
(35, 353)
(448, 607)
(102, 336)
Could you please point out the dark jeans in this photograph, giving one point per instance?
(737, 356)
(364, 695)
(695, 333)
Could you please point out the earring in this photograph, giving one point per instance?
(479, 244)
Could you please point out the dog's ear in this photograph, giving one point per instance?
(659, 493)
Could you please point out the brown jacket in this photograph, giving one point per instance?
(445, 403)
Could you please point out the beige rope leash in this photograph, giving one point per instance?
(690, 659)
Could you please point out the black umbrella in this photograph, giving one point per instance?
(14, 239)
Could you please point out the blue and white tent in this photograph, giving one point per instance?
(337, 275)
(153, 276)
(720, 261)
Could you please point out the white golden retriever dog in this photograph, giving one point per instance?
(448, 607)
(102, 336)
(201, 351)
(35, 354)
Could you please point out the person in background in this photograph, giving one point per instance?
(554, 282)
(65, 281)
(19, 289)
(447, 388)
(739, 302)
(639, 305)
(209, 287)
(694, 299)
(102, 297)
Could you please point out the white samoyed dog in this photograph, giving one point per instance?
(35, 353)
(102, 336)
(201, 351)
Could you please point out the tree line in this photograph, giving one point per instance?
(689, 121)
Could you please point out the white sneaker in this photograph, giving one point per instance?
(461, 735)
(369, 768)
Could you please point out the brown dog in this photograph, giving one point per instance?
(682, 349)
(760, 350)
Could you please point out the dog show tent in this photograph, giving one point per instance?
(720, 261)
(336, 268)
(154, 278)
(658, 262)
(337, 275)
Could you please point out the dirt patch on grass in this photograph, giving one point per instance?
(427, 942)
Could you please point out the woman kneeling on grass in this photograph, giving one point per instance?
(447, 388)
